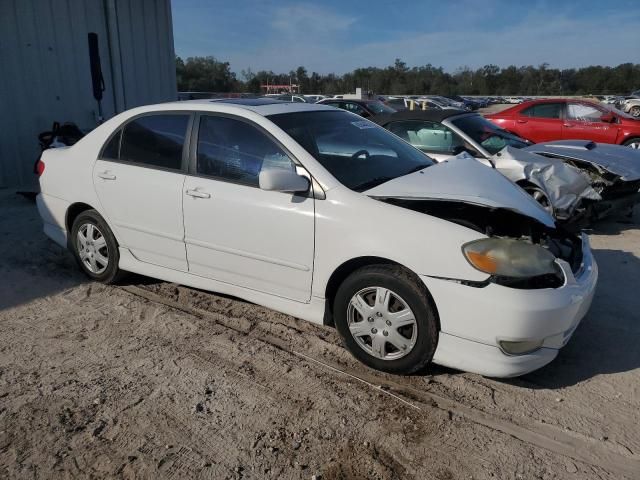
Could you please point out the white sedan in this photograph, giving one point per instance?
(320, 214)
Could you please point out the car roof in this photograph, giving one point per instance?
(355, 100)
(428, 115)
(261, 106)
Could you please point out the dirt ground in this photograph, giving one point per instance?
(153, 380)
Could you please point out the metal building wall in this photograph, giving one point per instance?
(45, 68)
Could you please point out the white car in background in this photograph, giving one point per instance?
(320, 214)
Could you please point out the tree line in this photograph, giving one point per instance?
(207, 74)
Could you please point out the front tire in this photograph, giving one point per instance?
(387, 319)
(634, 111)
(633, 143)
(95, 248)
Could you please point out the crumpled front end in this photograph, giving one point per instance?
(565, 186)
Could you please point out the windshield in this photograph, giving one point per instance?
(359, 153)
(379, 107)
(489, 136)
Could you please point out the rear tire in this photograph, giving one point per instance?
(387, 319)
(95, 248)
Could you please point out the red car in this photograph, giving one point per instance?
(566, 119)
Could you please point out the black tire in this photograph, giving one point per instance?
(632, 142)
(111, 273)
(540, 196)
(634, 111)
(401, 283)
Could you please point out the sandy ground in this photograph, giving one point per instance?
(153, 380)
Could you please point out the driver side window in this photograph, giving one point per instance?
(583, 113)
(427, 136)
(236, 151)
(354, 108)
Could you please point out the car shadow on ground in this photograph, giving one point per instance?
(606, 342)
(31, 265)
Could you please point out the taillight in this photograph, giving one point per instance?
(39, 168)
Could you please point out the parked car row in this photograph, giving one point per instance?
(321, 214)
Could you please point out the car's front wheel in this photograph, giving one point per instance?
(540, 196)
(387, 319)
(95, 247)
(635, 111)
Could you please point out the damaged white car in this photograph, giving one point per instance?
(574, 180)
(320, 214)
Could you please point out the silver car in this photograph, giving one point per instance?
(572, 179)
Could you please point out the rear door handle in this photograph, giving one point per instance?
(567, 125)
(522, 121)
(197, 194)
(106, 176)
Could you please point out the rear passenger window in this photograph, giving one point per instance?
(155, 140)
(544, 110)
(236, 151)
(112, 148)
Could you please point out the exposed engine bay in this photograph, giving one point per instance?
(505, 223)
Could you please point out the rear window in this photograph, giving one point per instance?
(155, 140)
(543, 110)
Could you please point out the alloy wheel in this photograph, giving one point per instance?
(381, 323)
(92, 248)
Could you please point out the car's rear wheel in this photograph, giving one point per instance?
(95, 247)
(633, 143)
(387, 319)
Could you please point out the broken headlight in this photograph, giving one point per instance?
(505, 257)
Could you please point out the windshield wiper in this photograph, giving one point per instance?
(418, 168)
(374, 182)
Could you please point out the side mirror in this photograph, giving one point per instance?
(608, 118)
(283, 180)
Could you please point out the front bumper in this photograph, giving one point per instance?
(473, 320)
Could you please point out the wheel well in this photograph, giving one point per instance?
(628, 139)
(346, 269)
(72, 213)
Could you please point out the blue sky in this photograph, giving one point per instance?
(340, 35)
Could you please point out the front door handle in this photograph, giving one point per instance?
(197, 194)
(567, 125)
(522, 121)
(106, 176)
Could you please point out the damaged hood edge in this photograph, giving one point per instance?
(616, 159)
(463, 179)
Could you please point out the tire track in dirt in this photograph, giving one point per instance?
(540, 435)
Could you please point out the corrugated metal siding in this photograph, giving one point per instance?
(46, 77)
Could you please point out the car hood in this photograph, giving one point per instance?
(463, 179)
(616, 159)
(565, 185)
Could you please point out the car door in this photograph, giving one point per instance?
(234, 231)
(583, 122)
(138, 179)
(541, 122)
